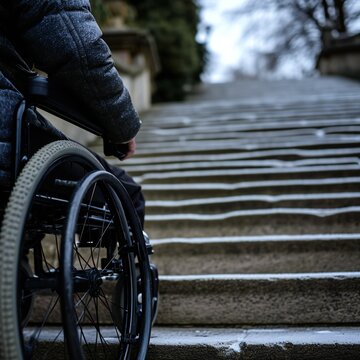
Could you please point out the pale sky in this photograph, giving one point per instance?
(228, 50)
(223, 41)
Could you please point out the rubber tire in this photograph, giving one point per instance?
(68, 268)
(11, 236)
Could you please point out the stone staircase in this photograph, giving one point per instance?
(253, 205)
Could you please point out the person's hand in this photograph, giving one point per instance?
(131, 149)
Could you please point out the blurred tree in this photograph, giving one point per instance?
(300, 25)
(173, 23)
(100, 11)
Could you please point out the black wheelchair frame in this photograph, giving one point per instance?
(65, 194)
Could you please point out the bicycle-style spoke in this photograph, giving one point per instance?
(86, 262)
(79, 256)
(83, 337)
(104, 301)
(104, 344)
(34, 339)
(108, 264)
(95, 322)
(102, 232)
(85, 305)
(49, 311)
(98, 244)
(27, 296)
(45, 356)
(87, 213)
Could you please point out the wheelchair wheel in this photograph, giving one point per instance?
(98, 253)
(30, 244)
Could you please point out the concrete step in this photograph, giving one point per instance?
(278, 154)
(241, 164)
(274, 221)
(221, 146)
(218, 205)
(310, 130)
(331, 343)
(264, 142)
(280, 343)
(265, 299)
(249, 174)
(230, 146)
(270, 187)
(238, 300)
(243, 122)
(292, 91)
(258, 254)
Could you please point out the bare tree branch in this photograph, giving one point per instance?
(300, 25)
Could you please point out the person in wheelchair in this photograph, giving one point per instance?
(62, 39)
(57, 244)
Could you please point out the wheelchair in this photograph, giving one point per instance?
(75, 277)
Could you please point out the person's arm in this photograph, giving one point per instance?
(62, 38)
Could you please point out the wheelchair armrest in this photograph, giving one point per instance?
(56, 101)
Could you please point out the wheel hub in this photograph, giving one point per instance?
(95, 282)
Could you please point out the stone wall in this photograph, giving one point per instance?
(341, 57)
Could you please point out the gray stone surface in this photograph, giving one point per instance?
(251, 187)
(257, 343)
(271, 187)
(255, 222)
(260, 299)
(232, 299)
(225, 204)
(332, 343)
(257, 254)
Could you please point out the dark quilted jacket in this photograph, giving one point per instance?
(61, 38)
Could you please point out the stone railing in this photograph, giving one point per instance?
(135, 55)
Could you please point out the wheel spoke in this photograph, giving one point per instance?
(95, 322)
(79, 256)
(87, 213)
(102, 232)
(104, 344)
(82, 300)
(45, 356)
(37, 332)
(98, 244)
(104, 301)
(108, 264)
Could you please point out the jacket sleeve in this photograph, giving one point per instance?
(62, 38)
